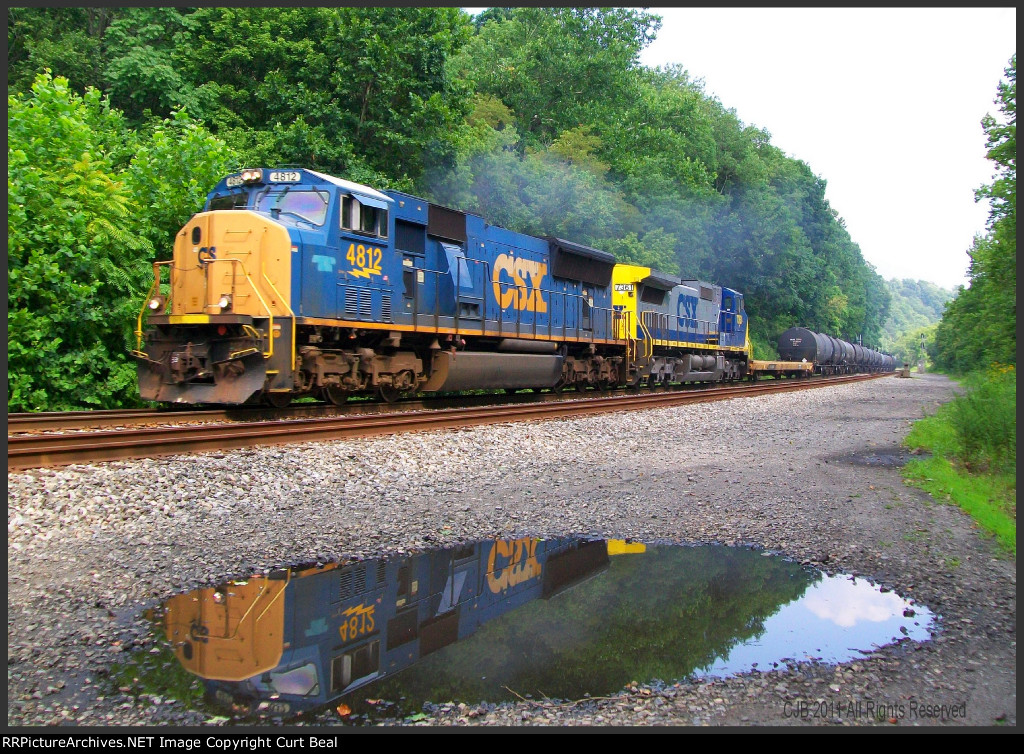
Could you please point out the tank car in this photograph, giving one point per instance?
(292, 282)
(831, 355)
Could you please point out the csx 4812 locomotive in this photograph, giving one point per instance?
(292, 283)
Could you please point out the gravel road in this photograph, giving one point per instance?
(813, 475)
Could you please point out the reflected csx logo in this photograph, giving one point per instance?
(519, 293)
(686, 311)
(512, 563)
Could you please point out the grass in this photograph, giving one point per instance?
(973, 442)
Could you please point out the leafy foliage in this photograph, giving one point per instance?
(80, 239)
(915, 304)
(979, 327)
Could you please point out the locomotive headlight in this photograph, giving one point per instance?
(156, 303)
(252, 176)
(225, 302)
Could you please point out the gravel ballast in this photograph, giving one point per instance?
(812, 475)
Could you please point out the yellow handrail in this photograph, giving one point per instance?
(245, 273)
(263, 272)
(145, 304)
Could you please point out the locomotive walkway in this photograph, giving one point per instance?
(56, 449)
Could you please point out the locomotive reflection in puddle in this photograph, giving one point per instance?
(297, 639)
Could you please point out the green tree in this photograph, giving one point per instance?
(75, 268)
(89, 199)
(979, 327)
(172, 170)
(558, 68)
(365, 92)
(67, 41)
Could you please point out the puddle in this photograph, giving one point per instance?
(894, 457)
(499, 620)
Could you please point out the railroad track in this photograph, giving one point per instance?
(35, 450)
(59, 421)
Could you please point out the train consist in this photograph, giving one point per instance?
(831, 355)
(294, 283)
(296, 639)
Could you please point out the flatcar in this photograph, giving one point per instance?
(296, 639)
(291, 282)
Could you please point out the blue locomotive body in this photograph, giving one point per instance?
(345, 289)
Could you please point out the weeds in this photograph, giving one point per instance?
(973, 441)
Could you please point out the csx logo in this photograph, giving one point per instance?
(520, 294)
(686, 311)
(512, 563)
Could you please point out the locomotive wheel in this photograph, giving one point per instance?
(388, 393)
(335, 395)
(278, 400)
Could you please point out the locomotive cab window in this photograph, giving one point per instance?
(301, 681)
(310, 206)
(362, 218)
(234, 200)
(355, 665)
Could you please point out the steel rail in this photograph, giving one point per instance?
(31, 451)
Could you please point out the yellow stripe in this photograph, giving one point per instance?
(447, 330)
(189, 319)
(497, 333)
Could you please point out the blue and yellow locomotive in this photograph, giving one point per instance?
(292, 283)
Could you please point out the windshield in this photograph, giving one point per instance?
(307, 205)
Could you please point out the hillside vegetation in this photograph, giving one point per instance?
(914, 312)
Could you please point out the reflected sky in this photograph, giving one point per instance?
(836, 620)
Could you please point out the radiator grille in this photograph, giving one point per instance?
(352, 582)
(351, 299)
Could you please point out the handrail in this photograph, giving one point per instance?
(653, 320)
(268, 354)
(288, 309)
(152, 288)
(274, 598)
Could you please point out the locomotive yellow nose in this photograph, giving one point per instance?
(232, 260)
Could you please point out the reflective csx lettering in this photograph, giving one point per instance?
(512, 563)
(520, 294)
(686, 311)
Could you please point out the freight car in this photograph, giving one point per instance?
(830, 355)
(293, 283)
(295, 640)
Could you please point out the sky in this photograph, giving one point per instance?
(884, 104)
